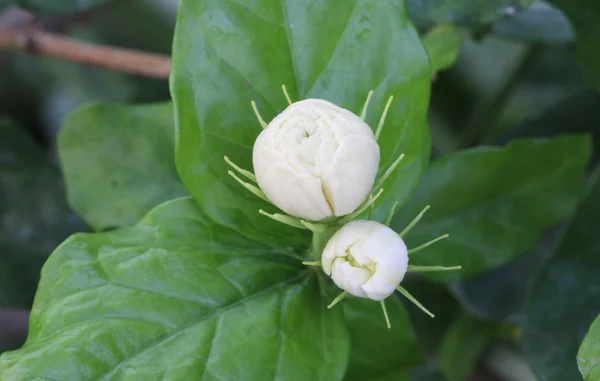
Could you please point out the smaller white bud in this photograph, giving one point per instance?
(366, 258)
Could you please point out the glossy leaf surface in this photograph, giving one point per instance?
(164, 300)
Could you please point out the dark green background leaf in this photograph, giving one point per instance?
(54, 6)
(34, 216)
(227, 53)
(565, 297)
(577, 113)
(164, 300)
(427, 373)
(494, 202)
(378, 352)
(588, 357)
(540, 23)
(119, 161)
(442, 44)
(500, 294)
(583, 15)
(462, 347)
(463, 12)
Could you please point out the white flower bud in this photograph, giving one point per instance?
(367, 259)
(316, 160)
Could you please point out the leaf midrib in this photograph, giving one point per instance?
(209, 315)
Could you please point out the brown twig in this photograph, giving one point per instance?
(35, 41)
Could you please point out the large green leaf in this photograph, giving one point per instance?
(54, 6)
(565, 297)
(227, 53)
(378, 352)
(473, 13)
(500, 294)
(540, 23)
(34, 216)
(494, 202)
(119, 162)
(164, 300)
(583, 15)
(588, 357)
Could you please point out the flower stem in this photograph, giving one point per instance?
(385, 314)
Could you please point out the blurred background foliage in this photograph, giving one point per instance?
(502, 70)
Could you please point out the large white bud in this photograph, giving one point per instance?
(316, 160)
(366, 259)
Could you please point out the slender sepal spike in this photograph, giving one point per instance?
(309, 263)
(408, 296)
(412, 223)
(247, 174)
(426, 269)
(263, 124)
(363, 113)
(425, 245)
(286, 220)
(385, 314)
(382, 120)
(361, 208)
(388, 219)
(315, 228)
(389, 171)
(257, 192)
(287, 96)
(338, 299)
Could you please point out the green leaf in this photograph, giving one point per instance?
(494, 202)
(439, 301)
(541, 23)
(377, 352)
(588, 357)
(442, 44)
(499, 294)
(462, 347)
(119, 162)
(576, 114)
(54, 6)
(164, 300)
(472, 13)
(564, 298)
(583, 15)
(332, 50)
(34, 216)
(427, 373)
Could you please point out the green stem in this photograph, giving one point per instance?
(320, 239)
